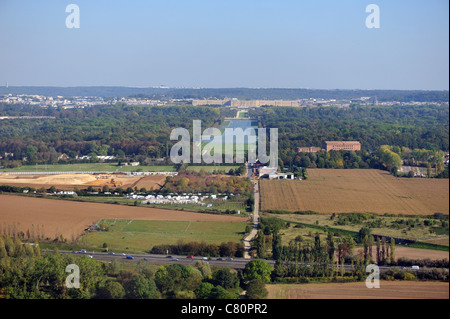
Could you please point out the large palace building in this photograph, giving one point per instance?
(346, 146)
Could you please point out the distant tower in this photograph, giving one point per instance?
(375, 102)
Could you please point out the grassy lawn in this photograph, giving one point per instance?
(88, 167)
(135, 236)
(147, 169)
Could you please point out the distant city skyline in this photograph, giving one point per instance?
(322, 44)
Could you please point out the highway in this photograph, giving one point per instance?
(236, 263)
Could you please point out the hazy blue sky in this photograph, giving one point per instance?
(321, 44)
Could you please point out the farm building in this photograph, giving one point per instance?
(282, 176)
(265, 171)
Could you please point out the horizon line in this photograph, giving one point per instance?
(212, 88)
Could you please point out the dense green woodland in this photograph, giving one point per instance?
(410, 126)
(115, 130)
(143, 132)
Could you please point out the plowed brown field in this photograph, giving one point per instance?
(69, 219)
(358, 290)
(346, 191)
(413, 253)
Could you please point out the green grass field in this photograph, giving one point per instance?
(136, 236)
(210, 169)
(417, 232)
(88, 167)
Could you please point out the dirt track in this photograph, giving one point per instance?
(68, 218)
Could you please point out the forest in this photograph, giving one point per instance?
(116, 130)
(143, 132)
(408, 130)
(26, 272)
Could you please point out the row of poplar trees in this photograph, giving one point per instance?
(325, 259)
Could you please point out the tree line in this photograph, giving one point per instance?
(26, 273)
(324, 259)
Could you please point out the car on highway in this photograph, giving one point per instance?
(90, 256)
(205, 258)
(129, 257)
(190, 256)
(174, 259)
(219, 259)
(83, 251)
(111, 253)
(229, 259)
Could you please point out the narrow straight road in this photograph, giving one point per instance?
(255, 218)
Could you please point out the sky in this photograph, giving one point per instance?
(316, 44)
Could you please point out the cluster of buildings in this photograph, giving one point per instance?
(82, 101)
(50, 101)
(87, 101)
(311, 102)
(271, 173)
(177, 199)
(236, 103)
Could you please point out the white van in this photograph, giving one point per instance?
(415, 267)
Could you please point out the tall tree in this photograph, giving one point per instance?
(261, 244)
(330, 247)
(378, 251)
(392, 245)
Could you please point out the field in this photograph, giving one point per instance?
(210, 169)
(88, 167)
(414, 253)
(418, 230)
(358, 290)
(344, 191)
(83, 181)
(139, 236)
(69, 219)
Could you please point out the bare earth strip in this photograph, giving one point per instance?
(344, 191)
(69, 219)
(413, 253)
(83, 181)
(358, 290)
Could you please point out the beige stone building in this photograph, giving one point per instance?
(340, 145)
(309, 149)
